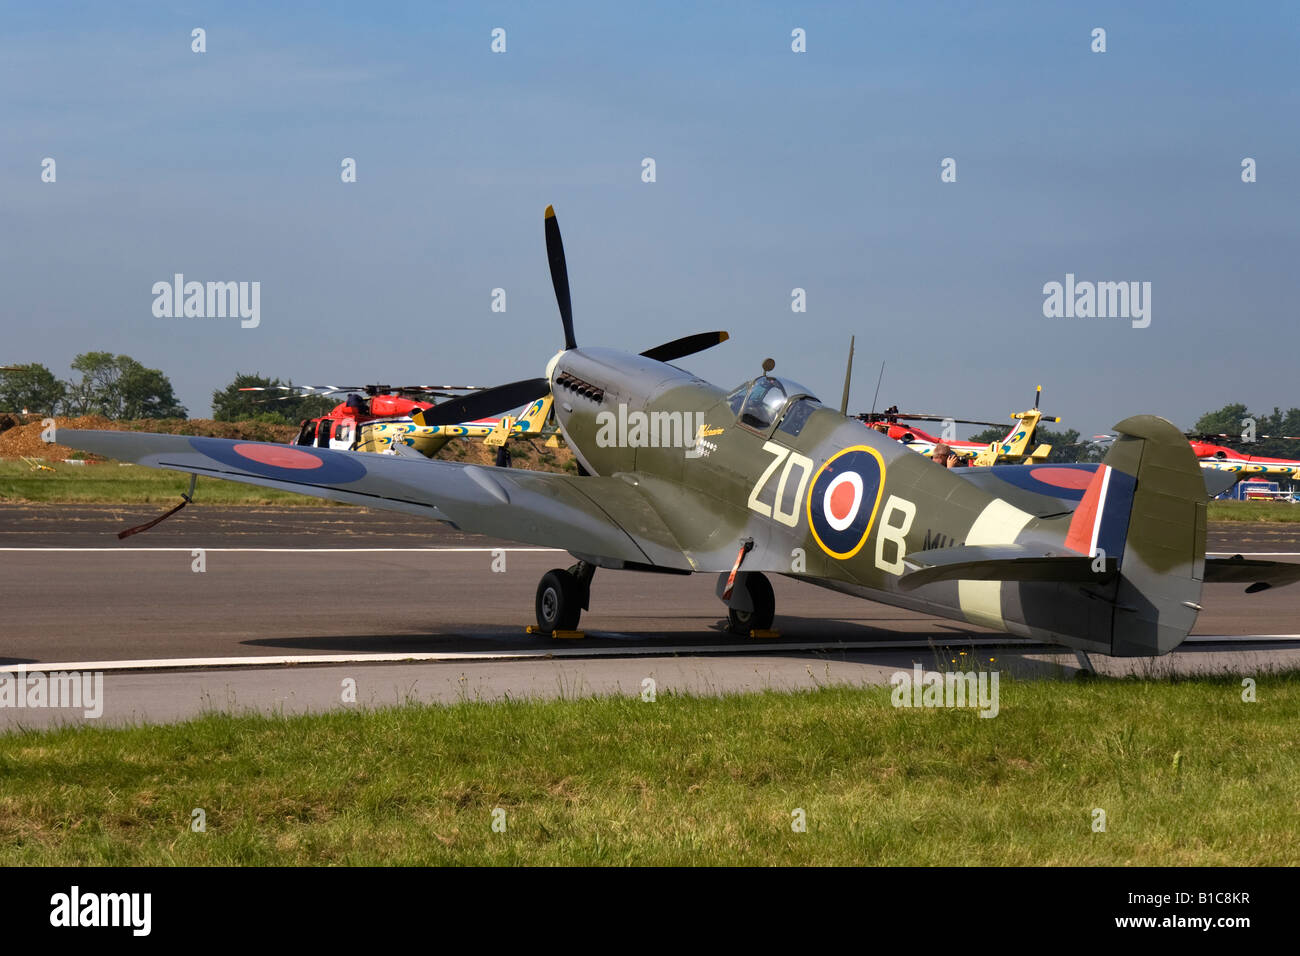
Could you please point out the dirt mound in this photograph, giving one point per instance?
(24, 440)
(533, 455)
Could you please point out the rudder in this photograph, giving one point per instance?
(1155, 478)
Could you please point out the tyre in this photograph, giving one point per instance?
(764, 601)
(559, 602)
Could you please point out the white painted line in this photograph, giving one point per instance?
(291, 550)
(1257, 554)
(759, 646)
(1231, 638)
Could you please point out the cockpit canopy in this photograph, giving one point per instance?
(761, 402)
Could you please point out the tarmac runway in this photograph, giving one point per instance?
(412, 610)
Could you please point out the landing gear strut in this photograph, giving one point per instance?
(752, 606)
(562, 596)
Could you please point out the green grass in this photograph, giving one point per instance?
(1253, 511)
(111, 483)
(1186, 772)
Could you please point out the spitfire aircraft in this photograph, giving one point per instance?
(679, 476)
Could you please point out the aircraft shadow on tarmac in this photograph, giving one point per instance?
(949, 645)
(492, 638)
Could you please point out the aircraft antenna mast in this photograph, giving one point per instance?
(879, 378)
(848, 377)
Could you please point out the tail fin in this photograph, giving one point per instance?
(1017, 440)
(532, 420)
(1146, 506)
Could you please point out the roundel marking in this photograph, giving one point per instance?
(280, 457)
(283, 462)
(843, 498)
(1073, 478)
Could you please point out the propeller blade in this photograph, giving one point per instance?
(686, 345)
(490, 401)
(559, 276)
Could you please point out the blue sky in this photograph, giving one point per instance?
(775, 170)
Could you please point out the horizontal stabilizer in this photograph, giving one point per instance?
(1217, 482)
(1261, 575)
(1002, 563)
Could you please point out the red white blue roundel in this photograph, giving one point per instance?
(285, 462)
(843, 499)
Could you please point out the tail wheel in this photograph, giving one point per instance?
(764, 601)
(559, 602)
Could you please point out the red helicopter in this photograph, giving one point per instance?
(377, 418)
(1223, 458)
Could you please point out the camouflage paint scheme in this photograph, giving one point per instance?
(703, 504)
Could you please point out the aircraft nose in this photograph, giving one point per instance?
(550, 366)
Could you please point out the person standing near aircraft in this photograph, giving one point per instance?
(945, 456)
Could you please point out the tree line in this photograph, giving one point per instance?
(119, 387)
(115, 386)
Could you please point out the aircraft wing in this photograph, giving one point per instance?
(600, 516)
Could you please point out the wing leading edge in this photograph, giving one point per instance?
(602, 516)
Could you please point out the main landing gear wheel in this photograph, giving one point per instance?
(764, 602)
(561, 597)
